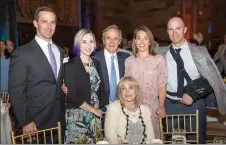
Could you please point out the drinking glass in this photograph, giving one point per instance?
(219, 140)
(178, 136)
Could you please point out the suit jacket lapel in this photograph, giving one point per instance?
(120, 65)
(61, 61)
(194, 52)
(43, 60)
(104, 70)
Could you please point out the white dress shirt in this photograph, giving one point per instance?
(44, 46)
(189, 66)
(107, 56)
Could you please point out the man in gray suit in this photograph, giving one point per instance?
(35, 78)
(220, 57)
(197, 62)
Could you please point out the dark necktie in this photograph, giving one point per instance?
(52, 60)
(180, 70)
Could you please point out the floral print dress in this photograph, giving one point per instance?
(80, 123)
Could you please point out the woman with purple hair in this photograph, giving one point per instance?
(84, 82)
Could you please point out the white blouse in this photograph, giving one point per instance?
(115, 124)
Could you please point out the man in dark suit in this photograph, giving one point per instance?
(35, 77)
(112, 69)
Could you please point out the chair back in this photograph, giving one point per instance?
(184, 121)
(98, 130)
(38, 137)
(4, 95)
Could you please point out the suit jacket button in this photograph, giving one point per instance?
(57, 98)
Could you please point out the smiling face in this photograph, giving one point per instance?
(2, 46)
(142, 41)
(111, 40)
(10, 46)
(45, 25)
(128, 92)
(176, 30)
(87, 44)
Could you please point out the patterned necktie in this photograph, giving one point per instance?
(113, 81)
(52, 60)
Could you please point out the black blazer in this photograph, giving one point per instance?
(34, 92)
(77, 81)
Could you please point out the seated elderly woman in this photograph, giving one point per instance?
(127, 119)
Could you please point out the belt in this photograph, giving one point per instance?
(174, 101)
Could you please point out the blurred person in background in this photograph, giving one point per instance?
(4, 67)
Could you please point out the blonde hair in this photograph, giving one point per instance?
(151, 40)
(112, 27)
(133, 82)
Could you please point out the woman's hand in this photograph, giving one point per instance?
(64, 88)
(98, 112)
(160, 111)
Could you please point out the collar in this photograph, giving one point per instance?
(108, 55)
(183, 47)
(42, 42)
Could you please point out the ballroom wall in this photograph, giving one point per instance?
(67, 19)
(207, 16)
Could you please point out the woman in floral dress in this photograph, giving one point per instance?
(150, 71)
(83, 79)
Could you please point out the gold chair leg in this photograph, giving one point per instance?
(13, 137)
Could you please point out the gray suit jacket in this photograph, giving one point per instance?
(208, 70)
(219, 56)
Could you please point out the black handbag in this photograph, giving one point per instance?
(197, 88)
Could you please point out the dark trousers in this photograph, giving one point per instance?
(179, 108)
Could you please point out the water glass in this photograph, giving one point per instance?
(219, 140)
(178, 136)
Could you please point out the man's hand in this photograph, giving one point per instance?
(186, 99)
(64, 88)
(31, 127)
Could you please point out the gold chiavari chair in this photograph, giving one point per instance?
(35, 137)
(98, 130)
(166, 131)
(5, 96)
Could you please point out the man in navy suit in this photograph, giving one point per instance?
(112, 37)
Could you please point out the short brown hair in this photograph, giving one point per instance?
(151, 39)
(42, 8)
(132, 81)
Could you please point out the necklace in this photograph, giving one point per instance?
(142, 121)
(86, 64)
(132, 110)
